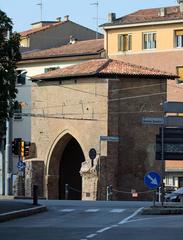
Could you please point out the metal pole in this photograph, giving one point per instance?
(8, 159)
(107, 196)
(99, 173)
(66, 191)
(35, 195)
(110, 192)
(162, 165)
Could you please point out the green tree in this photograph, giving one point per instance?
(9, 55)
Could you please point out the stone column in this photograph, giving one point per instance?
(34, 175)
(89, 175)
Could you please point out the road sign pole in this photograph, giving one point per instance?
(162, 164)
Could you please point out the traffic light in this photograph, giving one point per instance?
(15, 146)
(26, 148)
(22, 143)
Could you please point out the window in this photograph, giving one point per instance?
(17, 111)
(124, 42)
(180, 74)
(50, 69)
(179, 38)
(21, 77)
(149, 40)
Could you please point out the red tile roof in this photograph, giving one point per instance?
(148, 15)
(77, 49)
(102, 68)
(35, 30)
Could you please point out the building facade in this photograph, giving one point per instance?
(72, 108)
(49, 34)
(153, 38)
(39, 62)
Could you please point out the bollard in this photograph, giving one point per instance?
(35, 195)
(109, 193)
(66, 191)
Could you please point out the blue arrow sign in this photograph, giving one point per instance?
(152, 180)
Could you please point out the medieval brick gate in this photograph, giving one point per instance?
(66, 165)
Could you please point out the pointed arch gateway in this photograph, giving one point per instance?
(64, 168)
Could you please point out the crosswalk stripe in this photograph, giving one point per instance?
(92, 210)
(67, 210)
(117, 210)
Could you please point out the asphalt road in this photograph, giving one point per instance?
(76, 220)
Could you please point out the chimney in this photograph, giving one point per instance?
(111, 17)
(180, 2)
(58, 19)
(72, 40)
(162, 12)
(66, 18)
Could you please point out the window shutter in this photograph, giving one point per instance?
(129, 42)
(125, 42)
(120, 42)
(180, 72)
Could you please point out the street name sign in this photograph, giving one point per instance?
(176, 121)
(153, 120)
(109, 138)
(173, 107)
(152, 180)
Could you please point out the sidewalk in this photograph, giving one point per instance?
(11, 209)
(166, 209)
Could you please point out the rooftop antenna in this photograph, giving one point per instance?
(97, 17)
(41, 9)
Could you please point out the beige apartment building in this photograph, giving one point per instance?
(153, 38)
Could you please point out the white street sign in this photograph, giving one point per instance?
(109, 138)
(153, 120)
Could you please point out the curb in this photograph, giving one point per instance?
(22, 213)
(161, 211)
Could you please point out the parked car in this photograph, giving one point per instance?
(174, 196)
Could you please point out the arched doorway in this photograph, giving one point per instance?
(64, 168)
(70, 165)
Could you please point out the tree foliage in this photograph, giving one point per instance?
(9, 55)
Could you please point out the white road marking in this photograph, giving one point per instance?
(131, 216)
(91, 235)
(92, 210)
(67, 210)
(103, 229)
(117, 210)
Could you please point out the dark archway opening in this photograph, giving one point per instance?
(70, 166)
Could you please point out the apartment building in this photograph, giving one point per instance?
(154, 38)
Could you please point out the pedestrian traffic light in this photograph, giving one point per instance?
(26, 148)
(15, 146)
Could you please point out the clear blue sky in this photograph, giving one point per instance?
(25, 12)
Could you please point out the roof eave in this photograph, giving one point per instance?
(64, 77)
(164, 77)
(104, 75)
(115, 26)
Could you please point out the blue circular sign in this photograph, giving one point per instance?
(92, 153)
(20, 165)
(152, 180)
